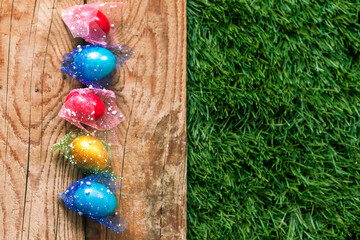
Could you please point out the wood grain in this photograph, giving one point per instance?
(31, 96)
(151, 90)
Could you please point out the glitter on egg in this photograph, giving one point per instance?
(96, 200)
(89, 158)
(83, 103)
(84, 106)
(93, 22)
(95, 65)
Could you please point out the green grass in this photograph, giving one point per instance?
(273, 119)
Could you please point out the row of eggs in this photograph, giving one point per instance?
(92, 63)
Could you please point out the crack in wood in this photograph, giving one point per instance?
(29, 144)
(7, 80)
(125, 140)
(31, 201)
(28, 160)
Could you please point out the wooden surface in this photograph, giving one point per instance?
(151, 90)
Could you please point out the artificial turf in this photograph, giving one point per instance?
(273, 119)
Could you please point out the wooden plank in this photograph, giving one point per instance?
(151, 90)
(32, 92)
(152, 87)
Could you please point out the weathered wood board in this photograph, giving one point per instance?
(151, 90)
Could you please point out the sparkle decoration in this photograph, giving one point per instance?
(96, 23)
(95, 65)
(93, 197)
(82, 109)
(93, 110)
(90, 154)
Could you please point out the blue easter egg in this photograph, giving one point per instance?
(95, 199)
(94, 63)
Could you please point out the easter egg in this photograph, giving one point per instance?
(85, 107)
(95, 199)
(89, 152)
(102, 21)
(94, 63)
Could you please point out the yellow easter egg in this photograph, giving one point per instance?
(89, 152)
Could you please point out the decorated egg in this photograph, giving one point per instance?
(89, 152)
(85, 106)
(94, 63)
(95, 199)
(102, 21)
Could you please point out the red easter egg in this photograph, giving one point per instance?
(85, 107)
(72, 94)
(102, 21)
